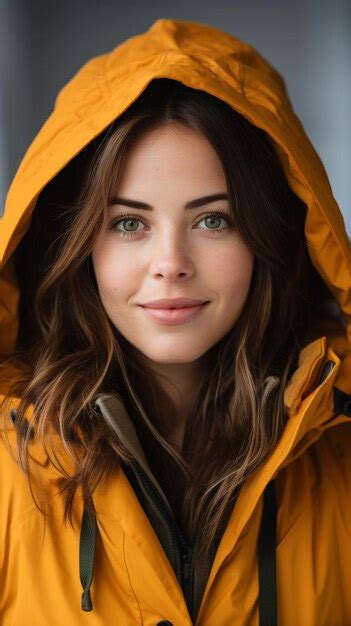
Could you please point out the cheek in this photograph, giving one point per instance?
(231, 271)
(113, 271)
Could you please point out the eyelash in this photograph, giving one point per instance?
(124, 216)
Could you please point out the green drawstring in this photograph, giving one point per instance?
(267, 582)
(87, 557)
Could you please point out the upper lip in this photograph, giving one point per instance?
(174, 303)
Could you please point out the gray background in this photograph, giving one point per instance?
(44, 43)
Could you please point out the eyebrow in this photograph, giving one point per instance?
(193, 204)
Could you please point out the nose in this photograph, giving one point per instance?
(172, 258)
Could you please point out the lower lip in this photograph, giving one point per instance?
(174, 316)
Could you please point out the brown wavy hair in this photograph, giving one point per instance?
(70, 351)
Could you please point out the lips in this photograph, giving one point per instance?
(172, 303)
(174, 316)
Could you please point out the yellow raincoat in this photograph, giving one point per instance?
(285, 553)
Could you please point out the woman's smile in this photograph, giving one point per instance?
(175, 316)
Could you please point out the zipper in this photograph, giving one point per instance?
(187, 576)
(182, 550)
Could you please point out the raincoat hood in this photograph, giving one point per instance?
(202, 57)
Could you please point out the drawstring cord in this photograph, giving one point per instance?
(267, 582)
(87, 557)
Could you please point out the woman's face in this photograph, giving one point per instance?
(169, 251)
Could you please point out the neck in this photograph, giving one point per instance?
(168, 393)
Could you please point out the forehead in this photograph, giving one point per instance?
(174, 156)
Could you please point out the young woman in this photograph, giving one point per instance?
(175, 373)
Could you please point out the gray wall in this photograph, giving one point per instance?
(43, 43)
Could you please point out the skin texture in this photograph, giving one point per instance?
(175, 253)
